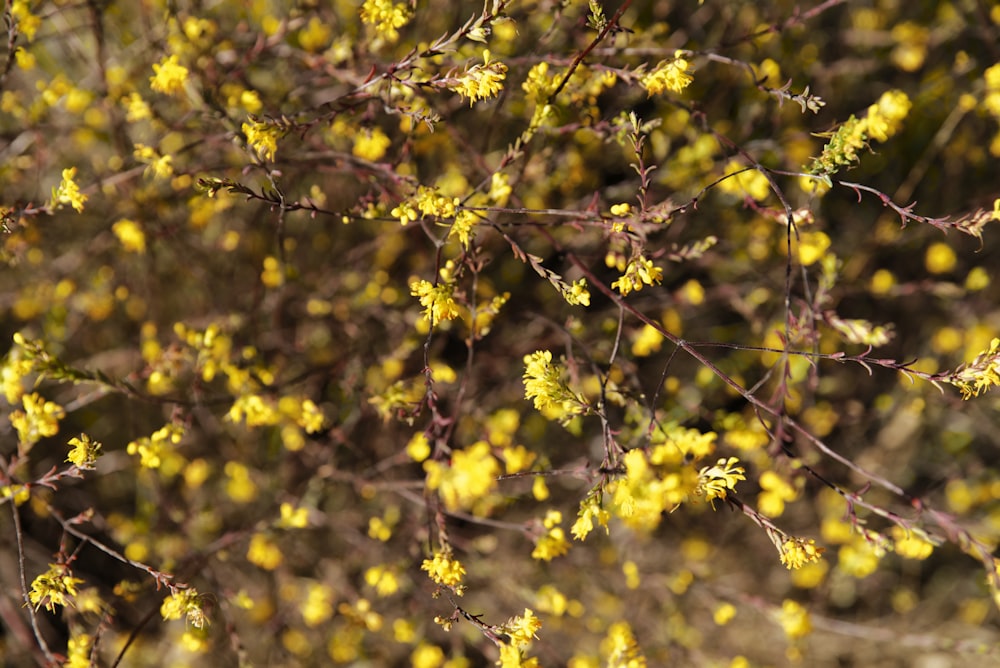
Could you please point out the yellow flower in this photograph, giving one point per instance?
(84, 453)
(136, 108)
(797, 552)
(262, 137)
(318, 606)
(590, 509)
(264, 553)
(775, 492)
(794, 619)
(885, 117)
(292, 517)
(386, 17)
(444, 570)
(715, 480)
(40, 418)
(470, 477)
(621, 648)
(78, 651)
(438, 300)
(56, 586)
(638, 273)
(371, 145)
(669, 75)
(168, 76)
(130, 235)
(911, 544)
(553, 542)
(68, 191)
(481, 81)
(27, 23)
(982, 374)
(522, 629)
(577, 294)
(543, 383)
(184, 603)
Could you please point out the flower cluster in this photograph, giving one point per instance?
(669, 75)
(553, 542)
(160, 166)
(797, 552)
(794, 619)
(438, 300)
(521, 631)
(638, 273)
(184, 603)
(544, 384)
(40, 418)
(622, 648)
(68, 192)
(882, 120)
(715, 481)
(443, 569)
(84, 453)
(153, 448)
(168, 76)
(56, 586)
(980, 375)
(590, 510)
(387, 17)
(470, 477)
(262, 137)
(481, 82)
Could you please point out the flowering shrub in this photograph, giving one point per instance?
(553, 333)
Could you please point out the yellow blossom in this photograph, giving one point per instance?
(522, 629)
(318, 604)
(371, 145)
(418, 448)
(577, 294)
(911, 544)
(885, 117)
(794, 619)
(638, 273)
(443, 569)
(543, 383)
(481, 82)
(40, 418)
(84, 453)
(262, 137)
(168, 76)
(136, 108)
(68, 191)
(386, 17)
(26, 22)
(714, 481)
(980, 375)
(470, 477)
(292, 517)
(78, 651)
(184, 603)
(130, 235)
(264, 553)
(797, 552)
(669, 75)
(620, 647)
(56, 586)
(775, 492)
(590, 510)
(438, 300)
(553, 542)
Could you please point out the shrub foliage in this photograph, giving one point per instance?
(535, 333)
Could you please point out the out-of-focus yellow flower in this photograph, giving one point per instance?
(168, 76)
